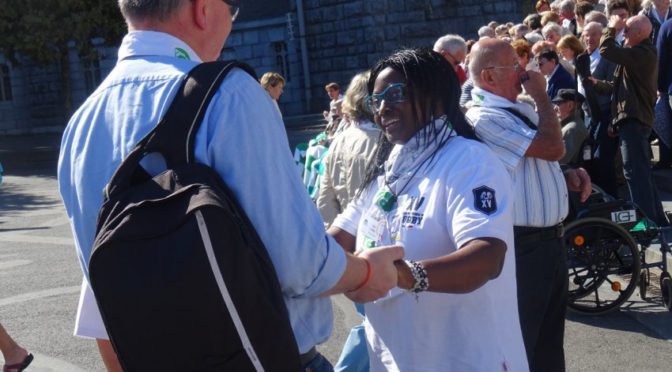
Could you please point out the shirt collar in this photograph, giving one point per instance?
(557, 66)
(153, 43)
(661, 20)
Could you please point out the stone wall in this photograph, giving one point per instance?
(37, 104)
(345, 37)
(36, 99)
(271, 45)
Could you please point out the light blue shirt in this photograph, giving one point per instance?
(242, 137)
(540, 187)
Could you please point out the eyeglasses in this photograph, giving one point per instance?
(234, 8)
(453, 61)
(515, 66)
(392, 95)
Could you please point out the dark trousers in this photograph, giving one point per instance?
(664, 150)
(602, 168)
(541, 274)
(636, 150)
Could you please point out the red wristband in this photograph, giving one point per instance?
(366, 278)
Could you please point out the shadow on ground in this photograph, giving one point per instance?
(16, 198)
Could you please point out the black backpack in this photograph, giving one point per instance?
(182, 280)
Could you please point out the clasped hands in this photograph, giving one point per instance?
(383, 276)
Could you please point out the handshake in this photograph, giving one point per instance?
(381, 273)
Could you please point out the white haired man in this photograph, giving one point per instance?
(454, 49)
(552, 32)
(485, 32)
(529, 144)
(597, 108)
(568, 16)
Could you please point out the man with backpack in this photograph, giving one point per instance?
(241, 138)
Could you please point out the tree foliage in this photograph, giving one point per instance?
(42, 29)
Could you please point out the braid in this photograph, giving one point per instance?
(432, 86)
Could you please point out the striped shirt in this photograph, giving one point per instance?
(539, 184)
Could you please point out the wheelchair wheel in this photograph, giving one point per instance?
(666, 289)
(603, 263)
(644, 280)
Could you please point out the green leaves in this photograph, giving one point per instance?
(42, 29)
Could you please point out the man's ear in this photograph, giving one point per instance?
(487, 78)
(199, 8)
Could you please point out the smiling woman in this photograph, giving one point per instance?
(439, 194)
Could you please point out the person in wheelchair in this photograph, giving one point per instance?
(574, 131)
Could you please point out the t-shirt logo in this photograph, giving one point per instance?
(484, 200)
(411, 217)
(181, 54)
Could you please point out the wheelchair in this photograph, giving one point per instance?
(606, 242)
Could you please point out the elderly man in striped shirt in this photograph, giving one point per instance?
(529, 144)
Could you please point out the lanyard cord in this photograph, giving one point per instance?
(430, 158)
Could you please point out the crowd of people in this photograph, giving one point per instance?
(572, 87)
(563, 41)
(444, 186)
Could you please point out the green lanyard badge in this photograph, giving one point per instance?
(385, 199)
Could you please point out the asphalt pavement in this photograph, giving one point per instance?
(40, 277)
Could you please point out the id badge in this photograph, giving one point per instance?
(372, 229)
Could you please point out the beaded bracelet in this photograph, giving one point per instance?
(420, 275)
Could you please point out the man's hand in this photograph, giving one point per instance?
(383, 273)
(535, 84)
(578, 180)
(616, 22)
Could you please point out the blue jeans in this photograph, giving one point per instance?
(355, 355)
(635, 150)
(318, 364)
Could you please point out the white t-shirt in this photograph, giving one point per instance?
(465, 194)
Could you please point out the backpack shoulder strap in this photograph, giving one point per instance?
(174, 136)
(522, 117)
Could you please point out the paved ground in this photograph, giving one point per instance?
(39, 283)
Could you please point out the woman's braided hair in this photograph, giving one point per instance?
(432, 86)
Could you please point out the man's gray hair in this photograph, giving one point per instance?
(533, 37)
(149, 9)
(552, 26)
(596, 16)
(519, 30)
(486, 31)
(567, 6)
(450, 43)
(591, 25)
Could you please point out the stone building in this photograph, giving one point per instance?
(309, 42)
